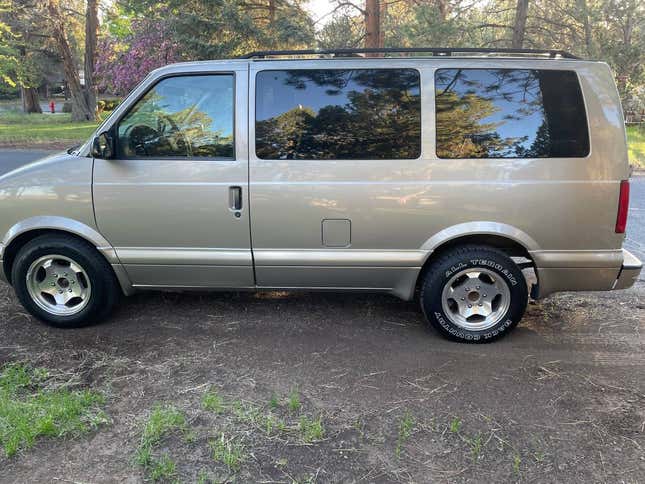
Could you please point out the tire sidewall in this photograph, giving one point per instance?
(474, 258)
(99, 281)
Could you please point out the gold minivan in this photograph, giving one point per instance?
(432, 173)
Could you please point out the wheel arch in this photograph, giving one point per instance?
(27, 230)
(508, 239)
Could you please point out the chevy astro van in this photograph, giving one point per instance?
(439, 174)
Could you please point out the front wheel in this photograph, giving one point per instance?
(64, 281)
(474, 294)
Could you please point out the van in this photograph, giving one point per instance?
(441, 174)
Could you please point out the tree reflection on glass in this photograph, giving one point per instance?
(186, 116)
(509, 113)
(338, 114)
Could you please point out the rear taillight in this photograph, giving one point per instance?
(623, 206)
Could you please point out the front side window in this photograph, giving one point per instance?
(181, 117)
(332, 114)
(509, 113)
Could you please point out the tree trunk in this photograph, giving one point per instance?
(443, 9)
(272, 9)
(91, 34)
(519, 27)
(30, 101)
(80, 109)
(372, 25)
(382, 17)
(584, 15)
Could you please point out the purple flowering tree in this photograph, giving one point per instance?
(122, 64)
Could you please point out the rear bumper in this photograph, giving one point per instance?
(606, 271)
(629, 271)
(3, 276)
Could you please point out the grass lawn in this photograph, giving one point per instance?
(34, 405)
(18, 129)
(636, 142)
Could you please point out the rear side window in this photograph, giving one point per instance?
(335, 114)
(509, 113)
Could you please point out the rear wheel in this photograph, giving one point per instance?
(474, 294)
(64, 281)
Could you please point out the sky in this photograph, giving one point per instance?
(320, 10)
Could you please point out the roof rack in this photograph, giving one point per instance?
(434, 51)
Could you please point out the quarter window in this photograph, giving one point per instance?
(509, 113)
(338, 114)
(181, 117)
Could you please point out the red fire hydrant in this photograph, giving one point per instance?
(52, 106)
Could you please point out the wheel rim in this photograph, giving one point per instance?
(476, 299)
(58, 285)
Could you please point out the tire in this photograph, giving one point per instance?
(455, 295)
(51, 269)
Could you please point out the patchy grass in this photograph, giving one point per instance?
(163, 420)
(228, 451)
(32, 406)
(23, 129)
(455, 425)
(636, 145)
(311, 430)
(405, 431)
(294, 400)
(213, 402)
(163, 468)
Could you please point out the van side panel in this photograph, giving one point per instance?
(566, 206)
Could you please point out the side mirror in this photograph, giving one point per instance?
(102, 146)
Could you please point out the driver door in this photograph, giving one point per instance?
(174, 202)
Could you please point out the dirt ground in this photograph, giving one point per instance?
(562, 399)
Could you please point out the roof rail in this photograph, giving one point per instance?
(434, 51)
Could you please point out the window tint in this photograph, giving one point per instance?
(504, 113)
(338, 114)
(184, 116)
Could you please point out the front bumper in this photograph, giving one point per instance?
(629, 271)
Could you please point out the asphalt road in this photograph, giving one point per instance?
(10, 159)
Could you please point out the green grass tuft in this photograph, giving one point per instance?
(311, 429)
(163, 468)
(405, 431)
(294, 400)
(163, 420)
(213, 402)
(455, 425)
(29, 409)
(228, 452)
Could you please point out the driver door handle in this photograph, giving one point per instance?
(235, 198)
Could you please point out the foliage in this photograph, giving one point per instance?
(636, 146)
(32, 407)
(8, 54)
(122, 64)
(142, 35)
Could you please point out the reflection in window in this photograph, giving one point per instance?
(338, 114)
(509, 113)
(184, 116)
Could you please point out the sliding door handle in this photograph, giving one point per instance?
(235, 198)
